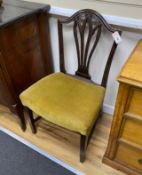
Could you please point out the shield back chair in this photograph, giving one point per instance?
(63, 100)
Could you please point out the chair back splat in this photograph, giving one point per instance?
(92, 21)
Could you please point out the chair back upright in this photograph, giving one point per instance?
(90, 22)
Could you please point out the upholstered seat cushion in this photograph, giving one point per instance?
(65, 101)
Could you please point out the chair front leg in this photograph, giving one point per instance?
(83, 147)
(31, 120)
(20, 113)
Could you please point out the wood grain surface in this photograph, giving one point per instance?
(132, 69)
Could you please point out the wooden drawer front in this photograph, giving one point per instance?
(132, 131)
(134, 104)
(129, 157)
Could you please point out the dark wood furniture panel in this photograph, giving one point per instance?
(5, 97)
(24, 50)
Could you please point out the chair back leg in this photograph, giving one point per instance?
(31, 120)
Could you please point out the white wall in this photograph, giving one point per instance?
(123, 51)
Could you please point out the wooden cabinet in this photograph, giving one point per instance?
(24, 50)
(124, 149)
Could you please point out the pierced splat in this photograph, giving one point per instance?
(87, 28)
(82, 24)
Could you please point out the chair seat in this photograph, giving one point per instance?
(65, 101)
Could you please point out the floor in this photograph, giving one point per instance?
(65, 145)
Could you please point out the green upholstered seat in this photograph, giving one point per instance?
(65, 101)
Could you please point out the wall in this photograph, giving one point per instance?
(123, 51)
(129, 2)
(105, 8)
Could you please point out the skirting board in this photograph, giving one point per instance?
(108, 109)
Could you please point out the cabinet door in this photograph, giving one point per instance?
(21, 47)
